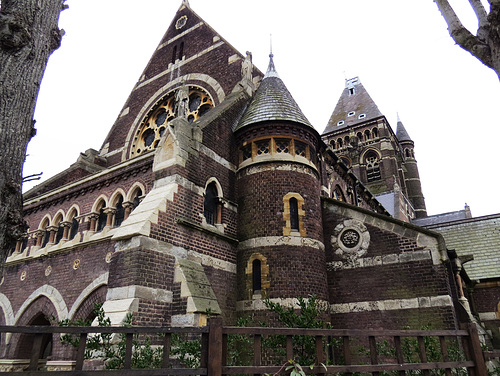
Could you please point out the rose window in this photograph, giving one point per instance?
(154, 125)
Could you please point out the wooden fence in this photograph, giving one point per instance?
(335, 351)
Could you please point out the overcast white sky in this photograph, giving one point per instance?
(400, 49)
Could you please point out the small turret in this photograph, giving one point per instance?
(279, 205)
(411, 176)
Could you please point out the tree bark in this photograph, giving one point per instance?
(28, 35)
(485, 45)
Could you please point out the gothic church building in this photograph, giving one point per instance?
(212, 191)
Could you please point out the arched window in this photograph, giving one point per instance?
(339, 143)
(294, 214)
(120, 212)
(74, 224)
(210, 207)
(359, 135)
(372, 167)
(101, 221)
(375, 132)
(137, 198)
(367, 135)
(407, 153)
(46, 233)
(59, 234)
(256, 276)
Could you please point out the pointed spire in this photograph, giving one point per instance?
(272, 101)
(401, 132)
(353, 107)
(271, 69)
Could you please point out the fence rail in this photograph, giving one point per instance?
(343, 358)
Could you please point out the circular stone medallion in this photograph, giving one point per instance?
(350, 240)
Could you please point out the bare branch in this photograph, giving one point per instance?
(463, 37)
(481, 14)
(482, 18)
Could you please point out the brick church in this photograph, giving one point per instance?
(212, 192)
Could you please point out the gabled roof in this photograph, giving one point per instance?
(272, 101)
(354, 106)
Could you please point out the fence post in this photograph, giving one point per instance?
(475, 350)
(215, 346)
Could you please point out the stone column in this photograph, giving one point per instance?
(53, 232)
(67, 226)
(110, 212)
(93, 217)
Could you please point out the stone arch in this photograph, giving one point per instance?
(50, 293)
(86, 310)
(97, 203)
(368, 151)
(132, 192)
(100, 281)
(8, 313)
(116, 195)
(37, 312)
(46, 221)
(6, 318)
(58, 217)
(220, 193)
(74, 211)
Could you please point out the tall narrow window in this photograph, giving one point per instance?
(294, 214)
(210, 206)
(181, 51)
(256, 276)
(174, 54)
(59, 234)
(46, 237)
(137, 198)
(372, 167)
(120, 212)
(74, 228)
(101, 222)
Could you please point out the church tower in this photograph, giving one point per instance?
(281, 252)
(362, 137)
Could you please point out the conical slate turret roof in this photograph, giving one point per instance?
(272, 101)
(354, 106)
(401, 132)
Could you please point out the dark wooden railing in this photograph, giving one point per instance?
(344, 358)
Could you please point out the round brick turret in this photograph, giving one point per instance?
(281, 251)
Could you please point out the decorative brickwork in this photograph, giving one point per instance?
(212, 192)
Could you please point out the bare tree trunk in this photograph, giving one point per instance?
(28, 35)
(485, 45)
